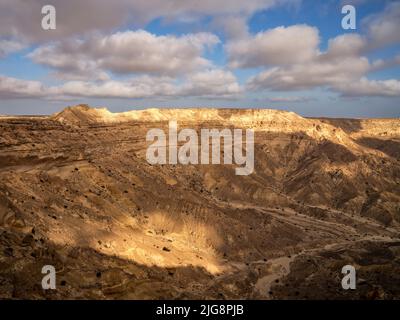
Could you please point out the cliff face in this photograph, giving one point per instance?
(77, 192)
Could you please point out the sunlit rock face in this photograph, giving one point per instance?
(77, 192)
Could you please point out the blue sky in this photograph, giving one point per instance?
(281, 54)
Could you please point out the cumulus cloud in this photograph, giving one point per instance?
(310, 75)
(213, 83)
(281, 45)
(22, 19)
(341, 68)
(141, 87)
(341, 63)
(383, 28)
(234, 27)
(381, 64)
(87, 52)
(76, 17)
(346, 45)
(9, 46)
(365, 88)
(18, 88)
(292, 60)
(126, 52)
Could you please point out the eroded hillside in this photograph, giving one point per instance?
(77, 192)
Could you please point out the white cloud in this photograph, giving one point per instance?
(278, 46)
(211, 83)
(234, 27)
(126, 52)
(141, 87)
(21, 19)
(9, 46)
(383, 28)
(292, 60)
(341, 68)
(365, 87)
(346, 45)
(88, 57)
(17, 88)
(340, 64)
(381, 64)
(310, 75)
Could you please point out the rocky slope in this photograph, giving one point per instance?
(77, 192)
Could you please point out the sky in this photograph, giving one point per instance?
(132, 54)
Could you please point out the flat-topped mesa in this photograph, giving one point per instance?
(258, 119)
(84, 114)
(274, 121)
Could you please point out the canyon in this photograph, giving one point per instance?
(77, 192)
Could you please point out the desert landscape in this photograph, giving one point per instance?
(77, 192)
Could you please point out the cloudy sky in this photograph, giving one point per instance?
(127, 54)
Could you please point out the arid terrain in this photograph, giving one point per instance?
(77, 192)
